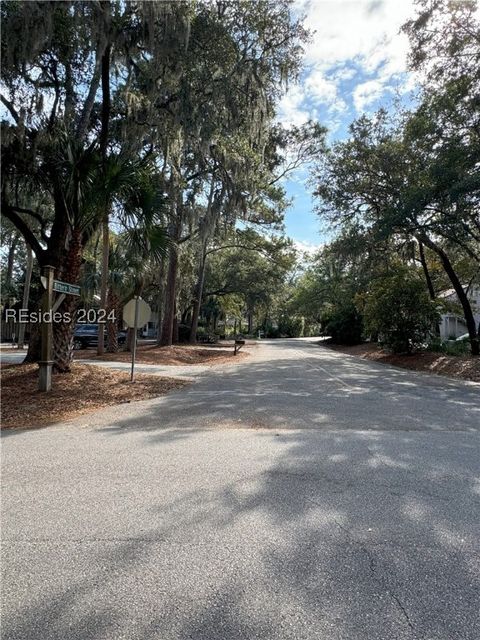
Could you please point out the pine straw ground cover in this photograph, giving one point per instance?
(175, 355)
(85, 389)
(462, 367)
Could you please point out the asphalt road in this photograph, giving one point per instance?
(301, 495)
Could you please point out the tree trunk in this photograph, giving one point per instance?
(175, 330)
(105, 116)
(205, 232)
(129, 340)
(112, 337)
(11, 260)
(197, 303)
(113, 304)
(426, 272)
(160, 299)
(63, 338)
(34, 343)
(26, 294)
(428, 280)
(63, 330)
(462, 296)
(250, 322)
(170, 296)
(104, 282)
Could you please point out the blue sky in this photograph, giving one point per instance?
(355, 63)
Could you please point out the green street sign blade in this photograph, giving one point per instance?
(66, 287)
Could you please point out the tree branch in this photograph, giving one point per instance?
(11, 108)
(95, 81)
(24, 229)
(36, 215)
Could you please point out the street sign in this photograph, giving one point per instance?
(62, 287)
(66, 287)
(143, 313)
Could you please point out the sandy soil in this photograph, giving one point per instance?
(85, 389)
(175, 355)
(463, 367)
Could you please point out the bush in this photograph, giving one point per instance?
(455, 348)
(343, 324)
(271, 331)
(400, 311)
(312, 329)
(291, 327)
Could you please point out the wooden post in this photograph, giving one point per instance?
(46, 362)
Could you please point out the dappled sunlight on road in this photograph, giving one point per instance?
(236, 509)
(299, 385)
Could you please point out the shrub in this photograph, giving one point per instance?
(344, 324)
(400, 311)
(455, 348)
(312, 329)
(291, 327)
(271, 331)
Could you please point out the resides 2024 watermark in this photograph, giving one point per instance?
(92, 316)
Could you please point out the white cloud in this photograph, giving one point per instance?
(366, 93)
(364, 30)
(307, 248)
(318, 86)
(343, 73)
(350, 39)
(290, 107)
(316, 89)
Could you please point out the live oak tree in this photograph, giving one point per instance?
(444, 40)
(215, 164)
(386, 180)
(55, 56)
(415, 312)
(251, 267)
(188, 87)
(249, 191)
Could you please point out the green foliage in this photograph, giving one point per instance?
(344, 324)
(250, 271)
(143, 114)
(291, 326)
(412, 176)
(398, 309)
(449, 347)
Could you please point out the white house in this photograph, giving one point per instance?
(452, 324)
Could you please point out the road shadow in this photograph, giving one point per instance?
(347, 535)
(310, 393)
(339, 528)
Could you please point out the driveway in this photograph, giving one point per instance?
(302, 494)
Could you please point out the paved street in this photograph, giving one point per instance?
(302, 494)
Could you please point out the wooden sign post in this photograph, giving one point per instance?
(135, 314)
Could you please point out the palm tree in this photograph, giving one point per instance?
(121, 177)
(137, 250)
